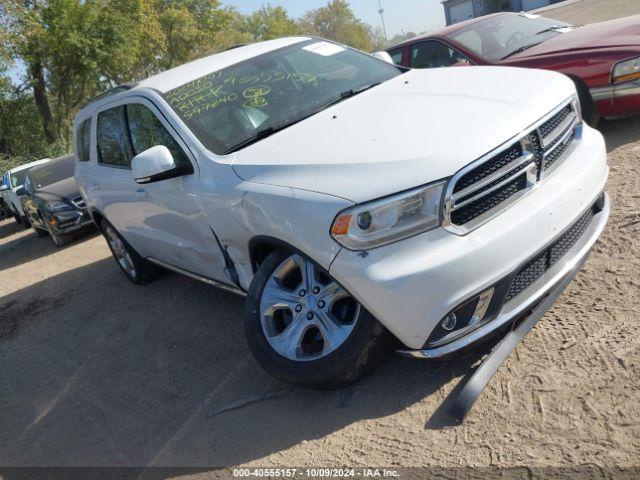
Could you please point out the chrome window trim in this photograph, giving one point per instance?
(532, 180)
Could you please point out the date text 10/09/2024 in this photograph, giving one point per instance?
(315, 472)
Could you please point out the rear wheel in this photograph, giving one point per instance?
(304, 328)
(135, 267)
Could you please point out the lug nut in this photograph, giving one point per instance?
(298, 308)
(302, 293)
(309, 315)
(321, 304)
(316, 290)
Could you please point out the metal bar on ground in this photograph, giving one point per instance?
(481, 377)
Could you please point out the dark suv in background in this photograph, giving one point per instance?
(52, 202)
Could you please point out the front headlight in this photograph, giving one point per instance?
(59, 206)
(626, 70)
(389, 219)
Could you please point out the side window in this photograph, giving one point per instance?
(147, 131)
(83, 141)
(434, 54)
(112, 144)
(396, 55)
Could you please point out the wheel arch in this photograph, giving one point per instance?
(261, 246)
(97, 216)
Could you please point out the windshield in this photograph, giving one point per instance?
(228, 108)
(499, 37)
(17, 178)
(52, 172)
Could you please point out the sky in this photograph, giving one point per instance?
(399, 15)
(408, 15)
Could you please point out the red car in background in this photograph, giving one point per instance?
(603, 59)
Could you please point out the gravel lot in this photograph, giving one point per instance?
(590, 11)
(95, 371)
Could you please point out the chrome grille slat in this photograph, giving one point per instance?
(548, 138)
(559, 141)
(78, 202)
(512, 176)
(493, 177)
(491, 184)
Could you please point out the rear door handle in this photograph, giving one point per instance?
(142, 193)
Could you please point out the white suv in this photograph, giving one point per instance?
(350, 200)
(9, 190)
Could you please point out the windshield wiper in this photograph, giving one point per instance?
(267, 132)
(554, 28)
(344, 95)
(519, 50)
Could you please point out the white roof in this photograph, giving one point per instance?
(175, 77)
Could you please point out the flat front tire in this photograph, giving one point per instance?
(305, 328)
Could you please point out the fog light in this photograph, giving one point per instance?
(449, 322)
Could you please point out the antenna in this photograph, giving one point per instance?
(381, 12)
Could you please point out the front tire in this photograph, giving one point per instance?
(304, 328)
(62, 240)
(589, 113)
(135, 267)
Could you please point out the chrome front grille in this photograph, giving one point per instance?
(488, 186)
(78, 202)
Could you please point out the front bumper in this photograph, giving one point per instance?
(68, 221)
(563, 271)
(410, 286)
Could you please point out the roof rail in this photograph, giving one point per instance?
(112, 91)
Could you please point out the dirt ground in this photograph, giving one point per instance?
(590, 11)
(95, 371)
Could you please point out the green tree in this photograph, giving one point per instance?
(336, 21)
(271, 22)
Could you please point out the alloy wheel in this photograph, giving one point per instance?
(305, 315)
(120, 252)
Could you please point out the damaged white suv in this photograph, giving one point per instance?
(350, 200)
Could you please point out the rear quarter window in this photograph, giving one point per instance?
(83, 141)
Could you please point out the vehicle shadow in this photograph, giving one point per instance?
(8, 227)
(620, 131)
(27, 247)
(99, 372)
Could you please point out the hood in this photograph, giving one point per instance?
(62, 190)
(419, 127)
(620, 33)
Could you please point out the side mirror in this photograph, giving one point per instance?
(384, 56)
(3, 188)
(156, 164)
(21, 191)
